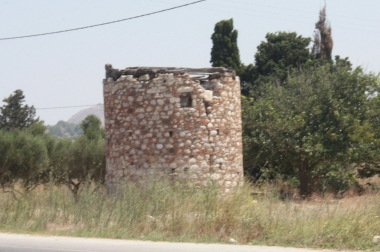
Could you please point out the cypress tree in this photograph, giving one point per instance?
(225, 51)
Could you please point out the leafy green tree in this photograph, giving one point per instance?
(275, 58)
(92, 127)
(318, 121)
(81, 161)
(15, 115)
(225, 51)
(23, 159)
(280, 53)
(87, 163)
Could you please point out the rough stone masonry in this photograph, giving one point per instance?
(182, 124)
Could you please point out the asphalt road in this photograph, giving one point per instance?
(30, 243)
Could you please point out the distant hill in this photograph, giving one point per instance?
(97, 110)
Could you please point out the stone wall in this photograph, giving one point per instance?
(178, 126)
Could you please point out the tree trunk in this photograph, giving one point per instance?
(304, 177)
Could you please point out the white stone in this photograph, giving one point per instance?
(159, 146)
(204, 165)
(194, 167)
(213, 132)
(182, 134)
(192, 161)
(153, 102)
(173, 165)
(185, 90)
(144, 77)
(130, 98)
(173, 100)
(207, 96)
(160, 102)
(152, 91)
(376, 239)
(232, 240)
(215, 176)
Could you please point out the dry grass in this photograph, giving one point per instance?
(158, 211)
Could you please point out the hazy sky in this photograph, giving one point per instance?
(67, 69)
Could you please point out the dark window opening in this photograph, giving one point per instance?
(186, 169)
(207, 104)
(185, 100)
(171, 150)
(220, 166)
(173, 170)
(129, 133)
(170, 133)
(217, 132)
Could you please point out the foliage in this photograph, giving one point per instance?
(225, 51)
(92, 127)
(15, 115)
(323, 42)
(23, 159)
(75, 163)
(275, 58)
(30, 157)
(318, 120)
(65, 129)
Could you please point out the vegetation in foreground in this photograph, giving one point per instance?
(160, 211)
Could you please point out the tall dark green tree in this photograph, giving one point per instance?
(225, 51)
(15, 115)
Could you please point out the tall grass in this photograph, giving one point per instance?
(178, 212)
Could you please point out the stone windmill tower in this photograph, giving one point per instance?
(173, 122)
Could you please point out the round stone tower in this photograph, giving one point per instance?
(173, 122)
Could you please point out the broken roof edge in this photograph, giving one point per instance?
(175, 70)
(212, 72)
